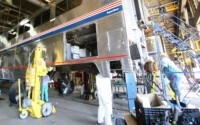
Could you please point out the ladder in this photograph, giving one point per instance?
(184, 43)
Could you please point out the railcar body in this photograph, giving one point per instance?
(85, 38)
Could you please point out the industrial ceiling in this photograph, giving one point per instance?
(14, 11)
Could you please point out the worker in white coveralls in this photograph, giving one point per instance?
(113, 74)
(105, 99)
(45, 81)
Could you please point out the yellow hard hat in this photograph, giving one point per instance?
(163, 54)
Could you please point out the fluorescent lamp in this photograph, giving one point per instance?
(52, 19)
(24, 22)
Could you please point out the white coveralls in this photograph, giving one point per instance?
(105, 99)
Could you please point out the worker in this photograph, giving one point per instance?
(175, 78)
(105, 99)
(82, 87)
(113, 74)
(56, 84)
(45, 81)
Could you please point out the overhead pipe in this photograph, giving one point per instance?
(36, 2)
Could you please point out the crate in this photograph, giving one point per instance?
(156, 116)
(189, 116)
(185, 110)
(150, 116)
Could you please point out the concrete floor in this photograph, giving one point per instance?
(70, 110)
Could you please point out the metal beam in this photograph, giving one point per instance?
(192, 7)
(181, 4)
(15, 8)
(197, 16)
(1, 26)
(168, 8)
(6, 25)
(6, 22)
(11, 15)
(4, 29)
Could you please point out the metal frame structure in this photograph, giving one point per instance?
(182, 44)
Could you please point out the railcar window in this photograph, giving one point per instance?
(37, 21)
(42, 18)
(66, 5)
(46, 16)
(82, 42)
(21, 30)
(24, 28)
(12, 34)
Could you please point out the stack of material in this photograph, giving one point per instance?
(82, 52)
(75, 52)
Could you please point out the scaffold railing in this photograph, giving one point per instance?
(184, 42)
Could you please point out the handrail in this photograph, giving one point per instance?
(189, 54)
(180, 43)
(174, 17)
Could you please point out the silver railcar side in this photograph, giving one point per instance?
(111, 25)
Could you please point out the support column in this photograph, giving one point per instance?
(131, 90)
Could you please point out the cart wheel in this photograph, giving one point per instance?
(21, 116)
(46, 109)
(95, 94)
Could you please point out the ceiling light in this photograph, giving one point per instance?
(28, 25)
(52, 19)
(24, 22)
(48, 1)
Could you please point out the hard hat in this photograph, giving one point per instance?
(163, 54)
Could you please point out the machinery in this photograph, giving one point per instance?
(32, 105)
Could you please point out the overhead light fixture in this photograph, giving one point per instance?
(11, 31)
(28, 25)
(48, 1)
(14, 33)
(24, 22)
(52, 19)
